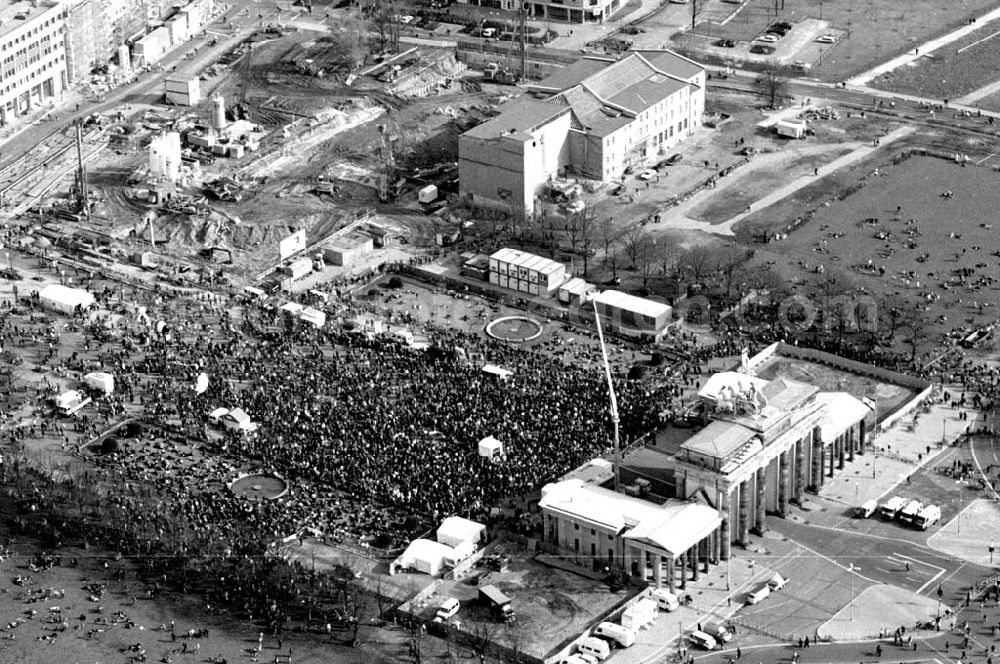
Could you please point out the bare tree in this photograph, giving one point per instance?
(631, 239)
(608, 235)
(772, 85)
(698, 262)
(893, 313)
(588, 226)
(916, 327)
(645, 260)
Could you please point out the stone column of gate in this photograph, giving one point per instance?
(842, 439)
(744, 514)
(671, 564)
(852, 443)
(725, 537)
(818, 460)
(761, 482)
(683, 568)
(800, 469)
(783, 480)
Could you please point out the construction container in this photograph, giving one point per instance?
(178, 27)
(298, 268)
(236, 150)
(183, 89)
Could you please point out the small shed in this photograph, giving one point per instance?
(456, 530)
(490, 448)
(573, 290)
(215, 417)
(292, 308)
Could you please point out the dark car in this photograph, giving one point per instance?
(761, 49)
(632, 30)
(674, 159)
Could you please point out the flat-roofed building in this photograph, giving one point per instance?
(629, 315)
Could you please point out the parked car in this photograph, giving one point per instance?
(726, 43)
(826, 39)
(647, 174)
(574, 207)
(777, 582)
(406, 20)
(769, 38)
(489, 32)
(674, 159)
(762, 49)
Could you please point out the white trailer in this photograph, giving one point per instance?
(790, 129)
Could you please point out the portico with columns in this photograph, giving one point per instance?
(666, 544)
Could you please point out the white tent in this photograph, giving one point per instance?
(293, 308)
(314, 316)
(499, 372)
(100, 380)
(455, 530)
(425, 556)
(68, 398)
(201, 384)
(65, 299)
(216, 415)
(490, 448)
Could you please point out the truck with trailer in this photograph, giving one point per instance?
(498, 603)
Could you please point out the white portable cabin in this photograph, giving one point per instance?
(428, 194)
(65, 299)
(790, 129)
(292, 308)
(100, 381)
(490, 448)
(215, 417)
(455, 530)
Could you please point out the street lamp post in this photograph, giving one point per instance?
(852, 569)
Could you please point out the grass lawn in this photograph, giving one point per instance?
(877, 31)
(922, 246)
(951, 71)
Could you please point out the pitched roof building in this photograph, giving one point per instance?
(595, 118)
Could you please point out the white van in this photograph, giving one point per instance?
(665, 600)
(866, 510)
(702, 640)
(623, 636)
(577, 658)
(759, 594)
(595, 647)
(449, 608)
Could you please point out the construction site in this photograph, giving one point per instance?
(282, 132)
